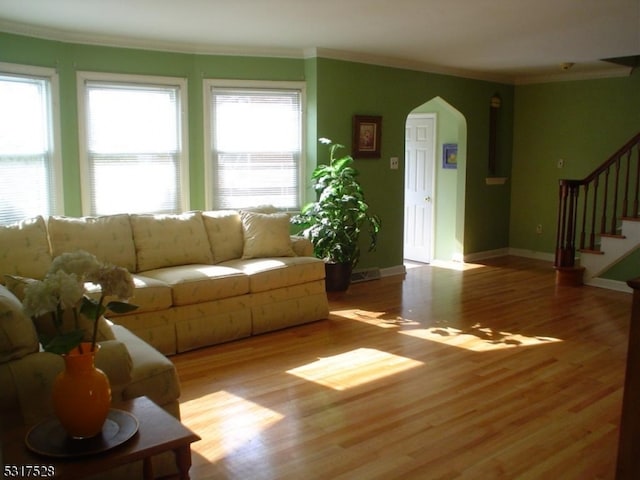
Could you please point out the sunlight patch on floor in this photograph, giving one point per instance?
(477, 338)
(354, 368)
(451, 265)
(379, 319)
(234, 422)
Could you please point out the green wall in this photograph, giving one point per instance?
(581, 122)
(337, 90)
(346, 89)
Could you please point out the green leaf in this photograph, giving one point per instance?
(62, 343)
(91, 308)
(121, 307)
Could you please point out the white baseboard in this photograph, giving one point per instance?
(521, 252)
(391, 271)
(609, 284)
(474, 257)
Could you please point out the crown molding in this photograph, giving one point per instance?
(404, 64)
(117, 41)
(613, 71)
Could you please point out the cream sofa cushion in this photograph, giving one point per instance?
(168, 240)
(17, 333)
(24, 248)
(224, 229)
(266, 235)
(191, 284)
(267, 274)
(149, 295)
(109, 238)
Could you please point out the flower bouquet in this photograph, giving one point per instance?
(63, 290)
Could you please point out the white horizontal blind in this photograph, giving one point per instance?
(257, 147)
(26, 148)
(133, 138)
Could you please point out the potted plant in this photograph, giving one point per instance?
(334, 222)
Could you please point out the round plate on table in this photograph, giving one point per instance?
(50, 439)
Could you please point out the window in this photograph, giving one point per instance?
(30, 180)
(132, 154)
(254, 144)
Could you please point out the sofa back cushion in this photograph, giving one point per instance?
(169, 240)
(17, 333)
(224, 229)
(24, 249)
(109, 238)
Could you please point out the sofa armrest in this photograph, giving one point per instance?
(114, 360)
(302, 247)
(27, 392)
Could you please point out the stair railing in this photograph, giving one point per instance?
(594, 206)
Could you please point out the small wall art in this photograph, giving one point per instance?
(450, 155)
(367, 132)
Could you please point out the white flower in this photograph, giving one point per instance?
(80, 263)
(38, 299)
(68, 288)
(113, 280)
(57, 290)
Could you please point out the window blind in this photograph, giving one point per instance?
(134, 147)
(26, 148)
(256, 147)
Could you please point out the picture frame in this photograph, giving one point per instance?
(367, 132)
(450, 155)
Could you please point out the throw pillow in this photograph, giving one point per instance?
(17, 334)
(266, 235)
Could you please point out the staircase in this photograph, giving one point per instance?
(599, 216)
(611, 250)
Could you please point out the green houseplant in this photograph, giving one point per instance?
(334, 222)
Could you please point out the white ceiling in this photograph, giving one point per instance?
(506, 40)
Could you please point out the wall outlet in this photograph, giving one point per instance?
(561, 163)
(539, 229)
(394, 163)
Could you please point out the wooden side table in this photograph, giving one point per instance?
(158, 432)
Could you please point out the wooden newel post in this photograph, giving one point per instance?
(628, 466)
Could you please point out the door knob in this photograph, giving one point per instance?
(427, 199)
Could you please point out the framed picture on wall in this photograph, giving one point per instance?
(450, 155)
(367, 132)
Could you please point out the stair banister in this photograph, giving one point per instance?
(581, 199)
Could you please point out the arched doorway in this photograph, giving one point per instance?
(442, 229)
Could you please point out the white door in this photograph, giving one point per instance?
(419, 173)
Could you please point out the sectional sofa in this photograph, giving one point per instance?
(201, 277)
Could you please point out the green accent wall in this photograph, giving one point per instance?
(581, 122)
(336, 90)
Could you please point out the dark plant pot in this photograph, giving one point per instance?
(338, 276)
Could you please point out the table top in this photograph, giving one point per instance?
(158, 432)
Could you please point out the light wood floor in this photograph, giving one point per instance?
(490, 372)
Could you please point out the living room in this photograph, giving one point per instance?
(579, 118)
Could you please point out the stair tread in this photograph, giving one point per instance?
(588, 250)
(613, 235)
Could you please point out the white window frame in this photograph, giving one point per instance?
(129, 79)
(51, 75)
(211, 83)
